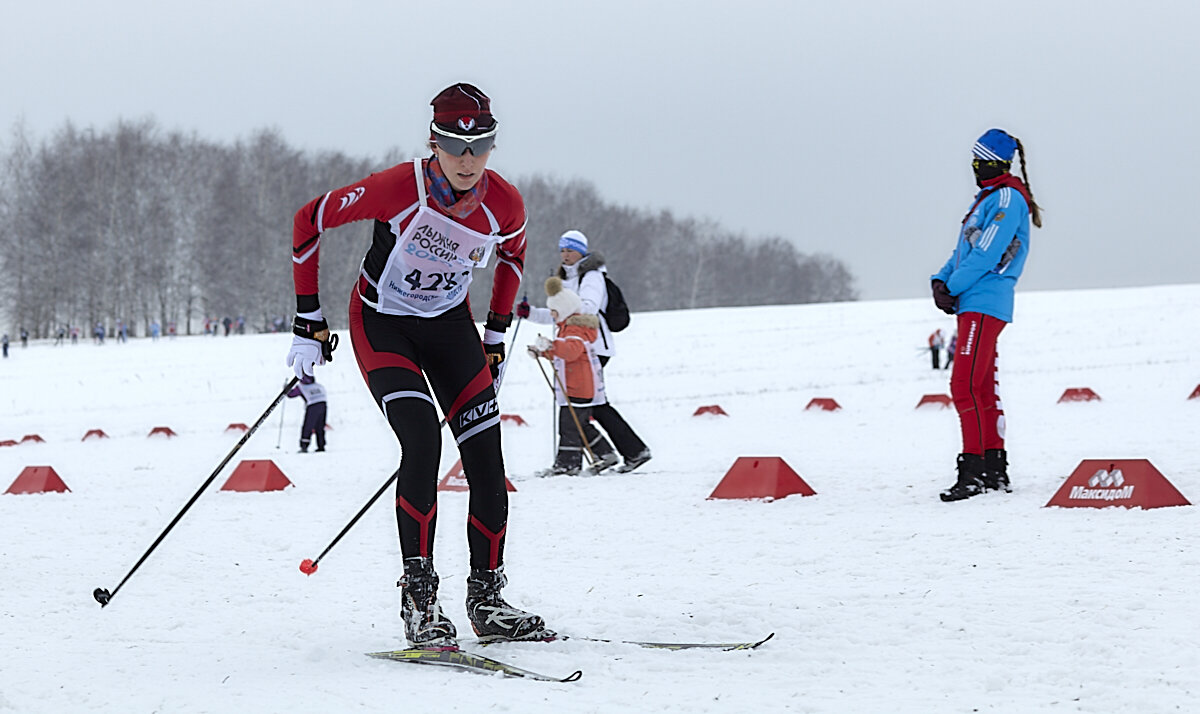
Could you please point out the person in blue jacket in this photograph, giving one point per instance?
(977, 284)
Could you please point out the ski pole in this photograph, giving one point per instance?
(104, 596)
(553, 409)
(582, 437)
(308, 566)
(587, 448)
(515, 331)
(504, 364)
(279, 438)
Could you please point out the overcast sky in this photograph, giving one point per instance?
(845, 127)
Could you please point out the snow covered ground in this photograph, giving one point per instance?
(882, 598)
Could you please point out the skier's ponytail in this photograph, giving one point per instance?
(1035, 211)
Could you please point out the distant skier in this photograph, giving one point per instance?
(936, 342)
(950, 350)
(4, 342)
(977, 284)
(314, 413)
(576, 370)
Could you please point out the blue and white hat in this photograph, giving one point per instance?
(573, 240)
(995, 145)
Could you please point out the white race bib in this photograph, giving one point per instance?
(430, 268)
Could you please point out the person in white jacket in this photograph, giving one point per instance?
(582, 272)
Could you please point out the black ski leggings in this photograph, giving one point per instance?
(397, 354)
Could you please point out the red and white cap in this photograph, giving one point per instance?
(464, 110)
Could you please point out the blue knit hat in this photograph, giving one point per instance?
(574, 240)
(995, 145)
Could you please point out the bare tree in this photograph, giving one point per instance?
(131, 224)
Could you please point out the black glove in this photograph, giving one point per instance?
(945, 302)
(493, 340)
(523, 308)
(495, 355)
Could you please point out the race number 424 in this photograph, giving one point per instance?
(431, 281)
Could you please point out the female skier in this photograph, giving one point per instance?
(977, 285)
(436, 220)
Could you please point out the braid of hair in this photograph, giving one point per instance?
(1035, 211)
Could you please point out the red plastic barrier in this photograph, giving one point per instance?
(761, 477)
(456, 480)
(941, 401)
(1079, 394)
(38, 479)
(824, 404)
(256, 475)
(1133, 483)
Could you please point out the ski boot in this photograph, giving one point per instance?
(634, 461)
(995, 471)
(492, 618)
(970, 479)
(424, 624)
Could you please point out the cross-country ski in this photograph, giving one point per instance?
(725, 646)
(468, 661)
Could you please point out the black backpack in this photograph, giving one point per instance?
(617, 314)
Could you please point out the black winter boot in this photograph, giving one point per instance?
(424, 623)
(494, 619)
(557, 470)
(604, 461)
(995, 471)
(970, 479)
(633, 462)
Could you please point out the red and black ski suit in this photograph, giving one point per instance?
(410, 322)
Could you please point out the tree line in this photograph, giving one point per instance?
(141, 225)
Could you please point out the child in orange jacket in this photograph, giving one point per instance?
(577, 371)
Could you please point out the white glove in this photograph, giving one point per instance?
(542, 343)
(305, 353)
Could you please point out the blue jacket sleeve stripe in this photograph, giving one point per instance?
(988, 236)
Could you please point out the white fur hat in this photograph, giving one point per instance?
(561, 300)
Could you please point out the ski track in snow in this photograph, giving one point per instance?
(882, 597)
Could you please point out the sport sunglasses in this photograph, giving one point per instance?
(981, 163)
(458, 145)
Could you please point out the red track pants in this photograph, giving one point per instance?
(974, 383)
